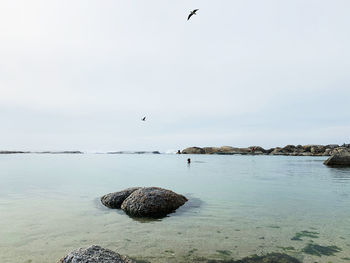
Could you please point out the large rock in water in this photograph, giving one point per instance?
(341, 158)
(152, 202)
(115, 200)
(94, 254)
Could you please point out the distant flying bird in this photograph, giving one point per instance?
(143, 119)
(194, 12)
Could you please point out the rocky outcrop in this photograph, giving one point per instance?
(133, 152)
(94, 254)
(152, 202)
(340, 158)
(61, 152)
(193, 150)
(292, 150)
(12, 152)
(115, 200)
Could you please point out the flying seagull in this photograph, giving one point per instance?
(143, 119)
(194, 12)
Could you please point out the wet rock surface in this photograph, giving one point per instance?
(152, 202)
(115, 200)
(341, 158)
(94, 254)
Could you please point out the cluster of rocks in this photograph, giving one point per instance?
(153, 202)
(292, 150)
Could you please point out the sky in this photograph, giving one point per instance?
(80, 75)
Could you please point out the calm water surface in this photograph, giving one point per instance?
(239, 205)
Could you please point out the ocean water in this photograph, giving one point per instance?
(238, 206)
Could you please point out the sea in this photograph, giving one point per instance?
(238, 206)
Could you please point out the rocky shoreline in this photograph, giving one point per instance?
(45, 152)
(289, 150)
(77, 152)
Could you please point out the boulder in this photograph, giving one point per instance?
(332, 146)
(193, 150)
(228, 149)
(277, 151)
(289, 149)
(115, 200)
(257, 149)
(94, 254)
(268, 151)
(327, 152)
(152, 202)
(342, 158)
(244, 150)
(317, 149)
(307, 148)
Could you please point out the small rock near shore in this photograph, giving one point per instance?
(152, 202)
(94, 254)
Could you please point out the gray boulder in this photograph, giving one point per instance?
(277, 151)
(289, 149)
(94, 254)
(258, 149)
(317, 149)
(115, 200)
(341, 158)
(152, 202)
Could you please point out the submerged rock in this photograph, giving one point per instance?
(341, 158)
(115, 200)
(318, 250)
(94, 254)
(269, 258)
(152, 202)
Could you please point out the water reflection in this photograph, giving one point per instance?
(340, 174)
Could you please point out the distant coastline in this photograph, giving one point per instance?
(78, 152)
(43, 152)
(289, 150)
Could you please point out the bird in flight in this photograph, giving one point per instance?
(143, 119)
(194, 12)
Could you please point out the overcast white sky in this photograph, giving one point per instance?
(80, 74)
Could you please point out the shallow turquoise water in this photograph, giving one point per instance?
(239, 205)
